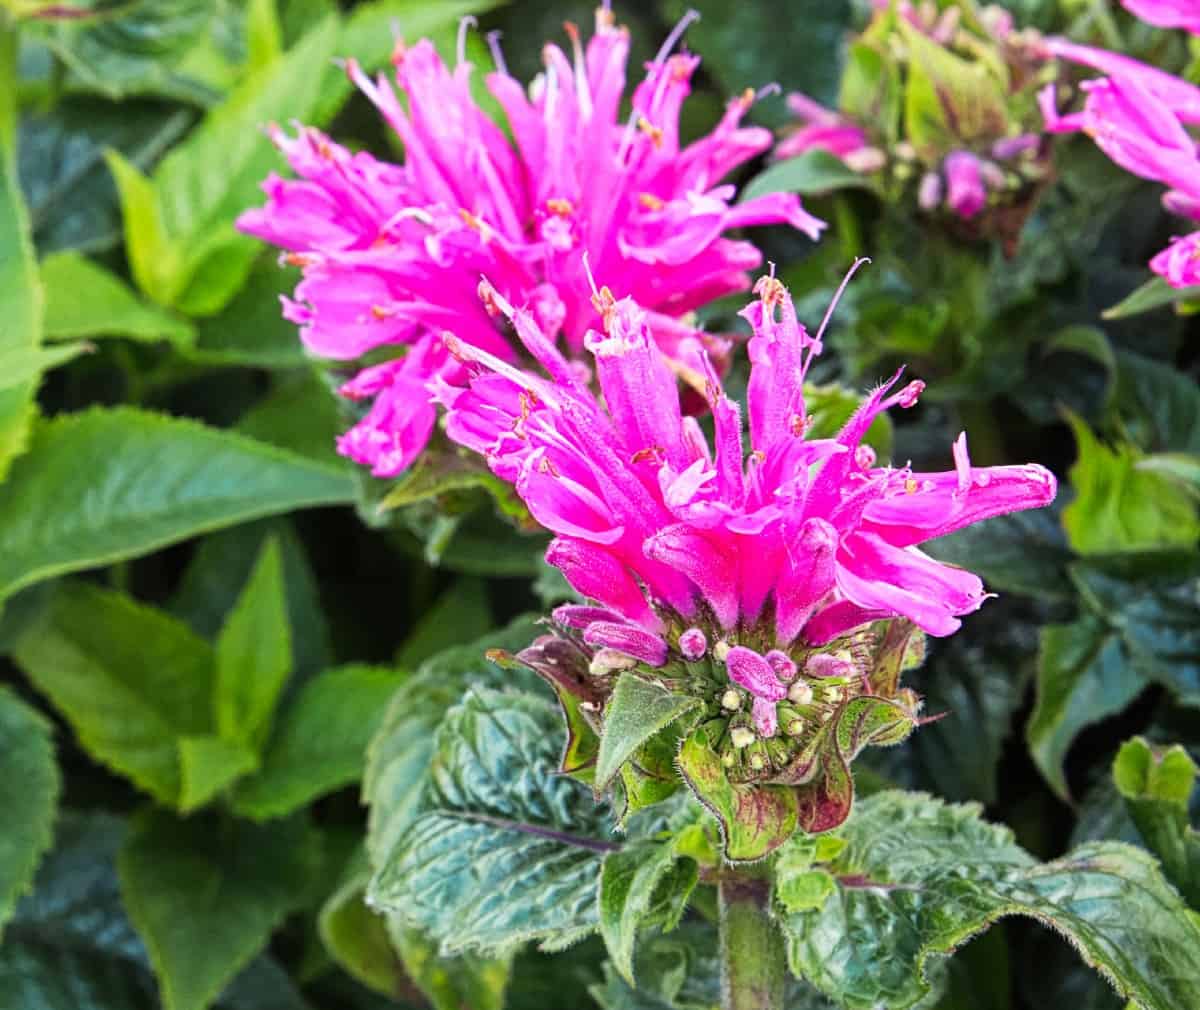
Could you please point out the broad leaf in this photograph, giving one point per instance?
(207, 765)
(29, 787)
(205, 897)
(920, 877)
(450, 983)
(85, 300)
(461, 612)
(254, 653)
(635, 712)
(130, 680)
(1181, 468)
(147, 481)
(1083, 676)
(21, 367)
(1160, 405)
(320, 741)
(250, 330)
(1119, 507)
(502, 848)
(300, 414)
(1154, 294)
(1156, 786)
(21, 301)
(814, 171)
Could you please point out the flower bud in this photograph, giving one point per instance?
(693, 644)
(800, 693)
(731, 700)
(783, 665)
(607, 661)
(741, 737)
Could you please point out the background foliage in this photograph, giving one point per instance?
(216, 635)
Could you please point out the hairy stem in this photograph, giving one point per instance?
(753, 961)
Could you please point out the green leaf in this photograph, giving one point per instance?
(503, 849)
(357, 937)
(85, 300)
(207, 765)
(1083, 676)
(636, 710)
(631, 882)
(1181, 468)
(250, 330)
(400, 755)
(155, 261)
(461, 612)
(129, 679)
(815, 171)
(29, 788)
(1119, 507)
(1156, 786)
(1159, 404)
(755, 819)
(21, 367)
(254, 654)
(300, 414)
(205, 897)
(1154, 294)
(320, 742)
(150, 480)
(451, 983)
(21, 299)
(264, 34)
(920, 877)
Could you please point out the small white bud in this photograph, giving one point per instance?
(741, 737)
(800, 693)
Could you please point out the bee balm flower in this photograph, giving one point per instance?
(392, 254)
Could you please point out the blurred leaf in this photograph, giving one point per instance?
(1088, 341)
(871, 91)
(1156, 786)
(813, 172)
(1119, 507)
(254, 654)
(502, 849)
(356, 936)
(320, 742)
(205, 897)
(264, 34)
(1084, 675)
(20, 367)
(1160, 403)
(464, 982)
(1024, 552)
(300, 414)
(149, 480)
(461, 612)
(1154, 294)
(29, 788)
(1180, 467)
(72, 200)
(944, 875)
(220, 567)
(85, 300)
(250, 330)
(129, 679)
(401, 753)
(21, 298)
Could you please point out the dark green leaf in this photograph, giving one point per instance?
(1156, 786)
(924, 877)
(503, 849)
(461, 613)
(150, 480)
(636, 710)
(300, 414)
(320, 741)
(1084, 675)
(450, 983)
(815, 171)
(1154, 294)
(1160, 403)
(254, 653)
(205, 897)
(29, 787)
(130, 680)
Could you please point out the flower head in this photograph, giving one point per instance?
(824, 130)
(966, 193)
(1166, 13)
(392, 254)
(1179, 263)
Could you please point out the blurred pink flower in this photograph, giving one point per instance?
(822, 129)
(392, 254)
(966, 194)
(803, 539)
(1179, 263)
(1167, 13)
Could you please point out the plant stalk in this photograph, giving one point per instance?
(753, 960)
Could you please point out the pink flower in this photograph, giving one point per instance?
(966, 194)
(1179, 263)
(822, 129)
(392, 254)
(1167, 13)
(1178, 95)
(801, 540)
(1134, 128)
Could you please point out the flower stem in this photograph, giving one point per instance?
(753, 960)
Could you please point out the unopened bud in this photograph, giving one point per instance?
(741, 737)
(731, 700)
(721, 650)
(783, 665)
(865, 160)
(758, 762)
(693, 644)
(607, 661)
(800, 693)
(824, 664)
(795, 726)
(929, 192)
(728, 759)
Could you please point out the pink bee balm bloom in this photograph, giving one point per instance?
(801, 539)
(1179, 263)
(1167, 13)
(822, 129)
(966, 194)
(392, 254)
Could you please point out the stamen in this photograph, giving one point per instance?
(767, 90)
(465, 24)
(837, 297)
(676, 34)
(493, 41)
(583, 91)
